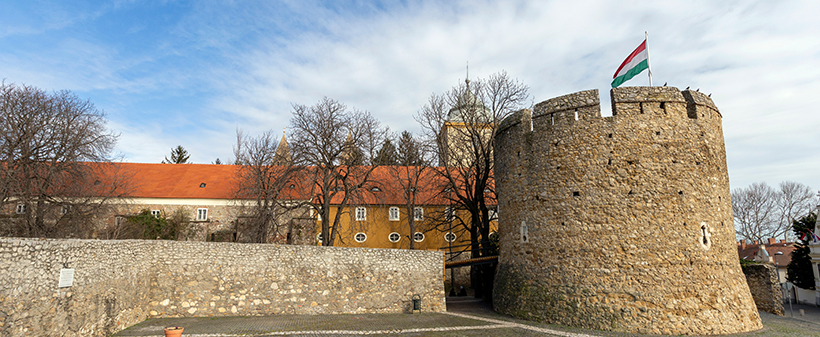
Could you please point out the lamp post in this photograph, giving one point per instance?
(782, 285)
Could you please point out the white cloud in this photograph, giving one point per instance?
(243, 64)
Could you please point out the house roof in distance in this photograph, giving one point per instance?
(750, 250)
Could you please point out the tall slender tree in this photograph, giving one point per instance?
(412, 172)
(463, 122)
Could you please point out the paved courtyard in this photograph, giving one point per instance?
(465, 317)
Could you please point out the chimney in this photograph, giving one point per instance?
(755, 242)
(743, 244)
(782, 241)
(772, 241)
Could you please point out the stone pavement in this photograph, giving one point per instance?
(465, 317)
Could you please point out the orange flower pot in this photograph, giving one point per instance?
(173, 331)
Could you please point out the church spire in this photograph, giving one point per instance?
(467, 80)
(282, 155)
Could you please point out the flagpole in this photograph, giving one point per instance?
(648, 66)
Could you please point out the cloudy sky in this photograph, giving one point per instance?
(173, 73)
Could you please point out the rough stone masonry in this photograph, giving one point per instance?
(118, 283)
(619, 223)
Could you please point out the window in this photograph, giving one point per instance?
(375, 189)
(418, 236)
(21, 208)
(319, 237)
(394, 214)
(394, 237)
(493, 215)
(448, 214)
(201, 214)
(450, 237)
(360, 237)
(524, 232)
(418, 214)
(361, 214)
(155, 213)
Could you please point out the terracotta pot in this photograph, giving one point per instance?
(173, 331)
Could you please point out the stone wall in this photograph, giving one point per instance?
(619, 223)
(121, 283)
(765, 288)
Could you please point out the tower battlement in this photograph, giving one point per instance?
(628, 101)
(621, 222)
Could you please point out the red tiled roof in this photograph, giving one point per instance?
(185, 181)
(391, 181)
(751, 250)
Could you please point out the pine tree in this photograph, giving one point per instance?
(799, 270)
(178, 156)
(409, 152)
(386, 155)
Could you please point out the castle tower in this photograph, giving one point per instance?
(619, 223)
(467, 119)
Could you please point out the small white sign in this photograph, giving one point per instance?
(66, 278)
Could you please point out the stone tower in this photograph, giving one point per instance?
(619, 223)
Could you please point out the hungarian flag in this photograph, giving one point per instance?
(637, 62)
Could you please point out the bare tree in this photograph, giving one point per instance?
(463, 122)
(264, 174)
(48, 144)
(412, 172)
(795, 200)
(754, 211)
(761, 212)
(336, 146)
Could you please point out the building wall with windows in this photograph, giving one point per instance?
(379, 230)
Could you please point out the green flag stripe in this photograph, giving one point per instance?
(630, 74)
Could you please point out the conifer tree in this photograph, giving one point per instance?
(409, 152)
(387, 154)
(178, 156)
(799, 270)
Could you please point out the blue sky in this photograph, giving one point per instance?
(173, 73)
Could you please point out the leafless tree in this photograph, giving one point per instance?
(49, 143)
(264, 176)
(795, 200)
(463, 122)
(336, 146)
(762, 212)
(412, 172)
